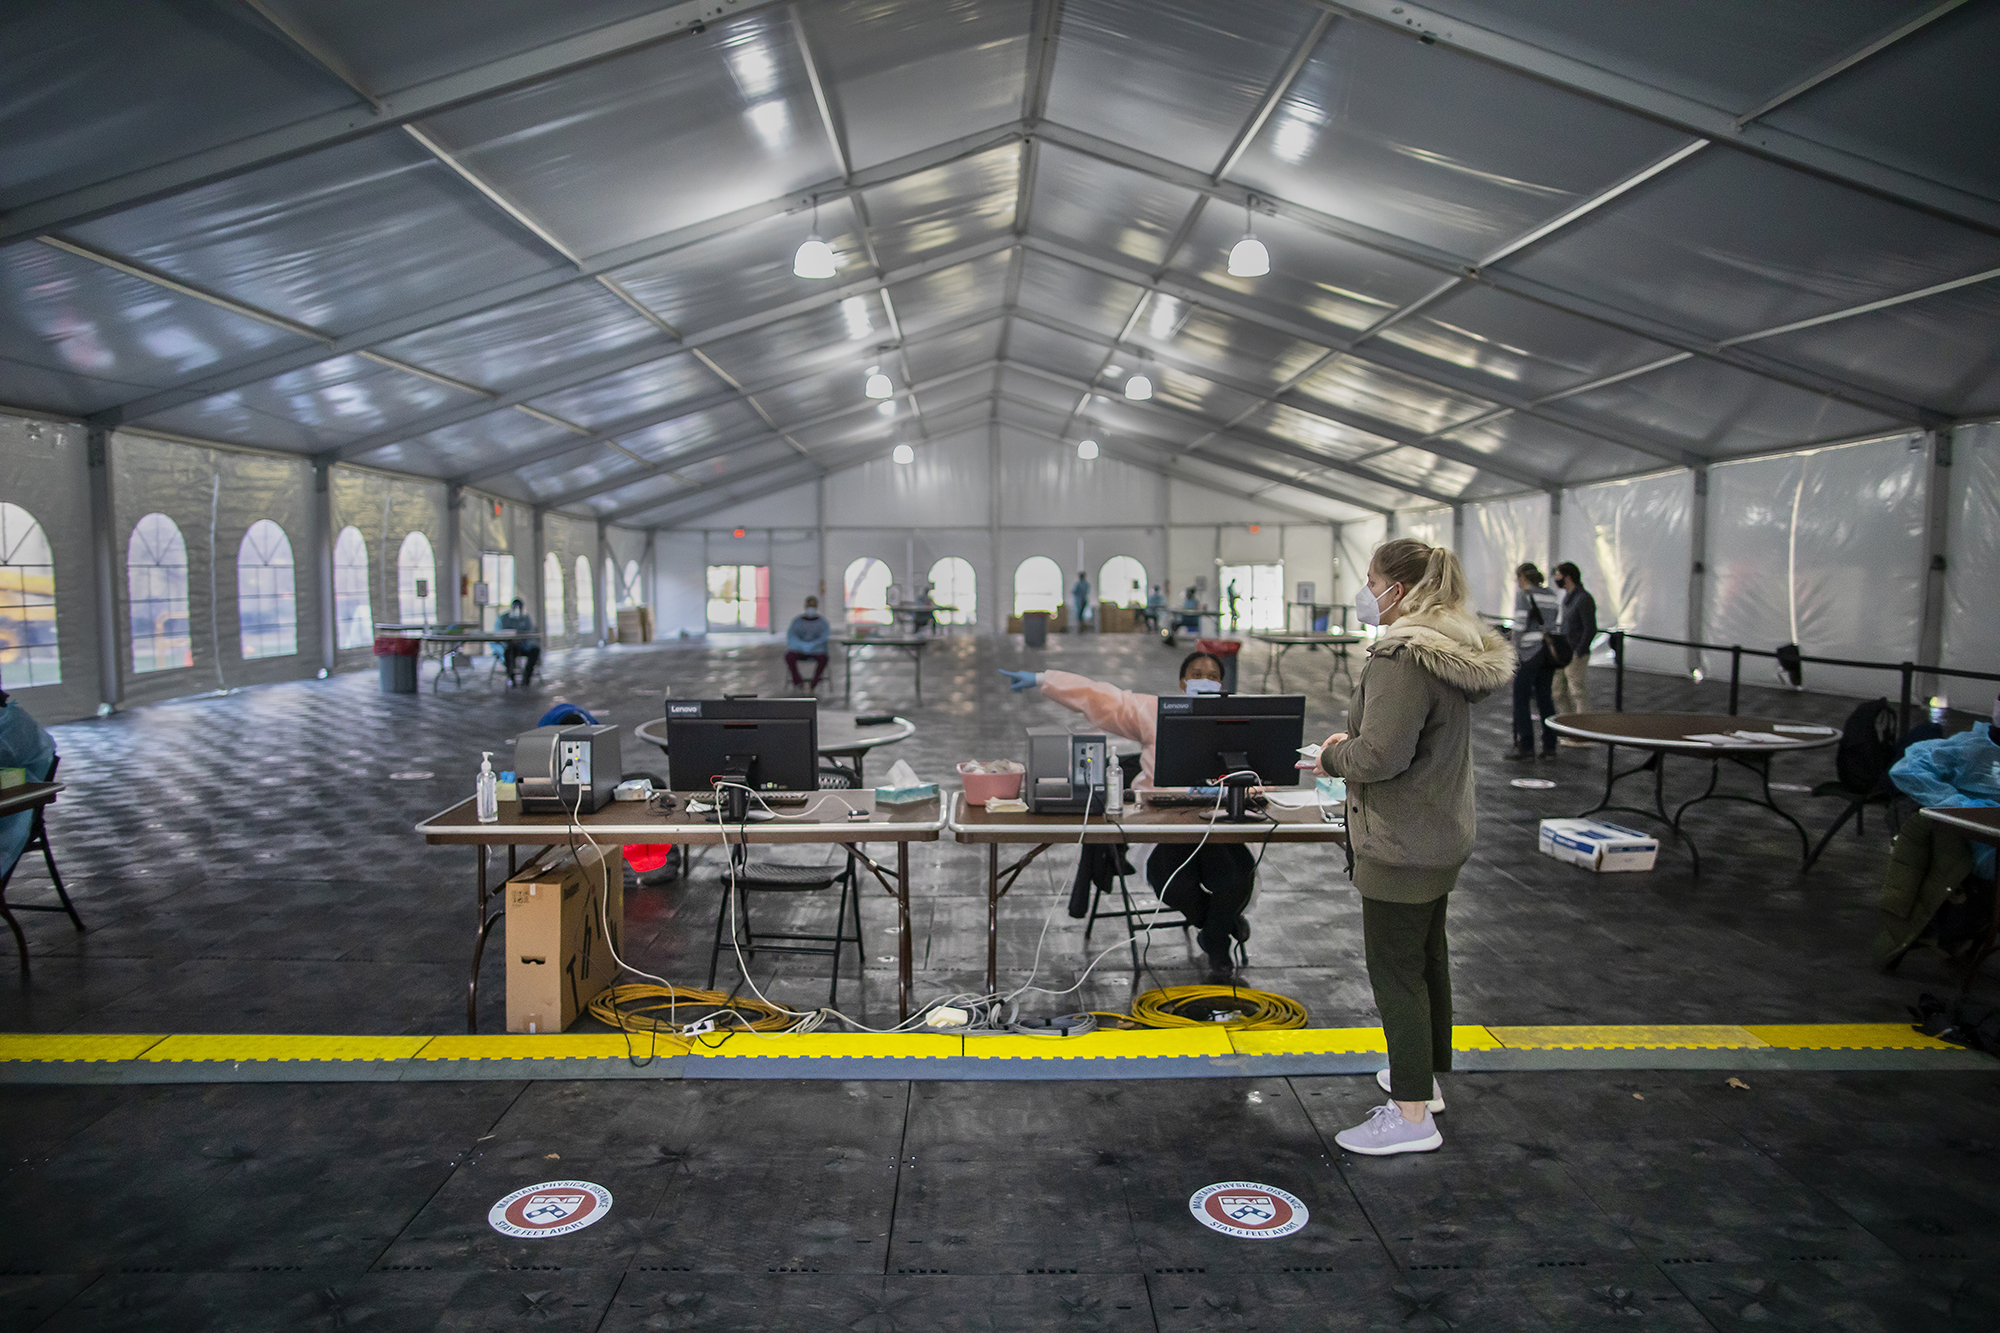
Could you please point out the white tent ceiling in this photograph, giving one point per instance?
(547, 249)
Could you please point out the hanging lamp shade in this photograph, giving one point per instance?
(1086, 449)
(1249, 258)
(903, 453)
(878, 384)
(814, 259)
(1138, 388)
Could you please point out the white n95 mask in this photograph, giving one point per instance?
(1367, 609)
(1194, 687)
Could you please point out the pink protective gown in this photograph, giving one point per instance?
(1108, 708)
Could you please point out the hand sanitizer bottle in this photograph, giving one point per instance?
(486, 803)
(1114, 784)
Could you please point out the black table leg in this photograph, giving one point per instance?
(905, 962)
(1656, 761)
(992, 919)
(1761, 766)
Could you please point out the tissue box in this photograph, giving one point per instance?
(922, 791)
(1596, 845)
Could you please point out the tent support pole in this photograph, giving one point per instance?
(1937, 537)
(322, 564)
(1697, 616)
(104, 559)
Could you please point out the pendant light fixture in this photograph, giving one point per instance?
(1249, 258)
(1138, 388)
(815, 256)
(878, 384)
(904, 454)
(1086, 449)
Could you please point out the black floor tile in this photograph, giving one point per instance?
(1889, 1297)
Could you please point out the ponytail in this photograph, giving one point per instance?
(1431, 576)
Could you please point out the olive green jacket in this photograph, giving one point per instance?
(1408, 755)
(1926, 866)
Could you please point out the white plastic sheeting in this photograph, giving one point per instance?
(1972, 569)
(1499, 537)
(44, 471)
(1633, 542)
(213, 496)
(1357, 546)
(385, 509)
(1824, 549)
(1430, 526)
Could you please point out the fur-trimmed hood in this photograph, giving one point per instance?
(1454, 647)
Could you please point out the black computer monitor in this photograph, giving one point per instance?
(763, 744)
(1226, 738)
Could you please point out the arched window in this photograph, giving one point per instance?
(353, 620)
(865, 591)
(552, 594)
(629, 595)
(156, 582)
(1122, 582)
(1038, 585)
(586, 602)
(415, 565)
(954, 584)
(28, 654)
(267, 609)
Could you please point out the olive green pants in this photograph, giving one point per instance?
(1411, 973)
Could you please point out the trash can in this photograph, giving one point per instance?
(1225, 650)
(1035, 629)
(396, 661)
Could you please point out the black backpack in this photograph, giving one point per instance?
(1554, 643)
(1867, 747)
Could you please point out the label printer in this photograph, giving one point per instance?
(1067, 772)
(565, 770)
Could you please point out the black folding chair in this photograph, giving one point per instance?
(753, 877)
(38, 840)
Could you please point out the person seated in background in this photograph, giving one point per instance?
(1156, 609)
(925, 615)
(805, 641)
(1188, 619)
(516, 620)
(24, 744)
(1209, 885)
(1940, 884)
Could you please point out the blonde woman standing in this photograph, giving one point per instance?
(1410, 820)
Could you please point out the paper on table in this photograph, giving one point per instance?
(1805, 731)
(1759, 737)
(1292, 800)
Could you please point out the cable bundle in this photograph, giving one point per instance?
(1163, 1008)
(632, 1005)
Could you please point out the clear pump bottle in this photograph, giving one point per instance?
(486, 801)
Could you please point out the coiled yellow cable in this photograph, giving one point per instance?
(632, 1006)
(1160, 1008)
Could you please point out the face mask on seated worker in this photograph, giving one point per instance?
(1194, 687)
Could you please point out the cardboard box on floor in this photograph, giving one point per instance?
(1596, 845)
(635, 625)
(558, 958)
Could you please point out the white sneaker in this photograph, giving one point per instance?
(1385, 1132)
(1434, 1105)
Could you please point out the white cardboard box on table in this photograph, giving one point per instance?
(1598, 846)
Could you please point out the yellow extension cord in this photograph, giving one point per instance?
(631, 1007)
(1156, 1008)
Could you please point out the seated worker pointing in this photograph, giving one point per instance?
(1209, 885)
(805, 641)
(516, 620)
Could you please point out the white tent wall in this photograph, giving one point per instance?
(1430, 526)
(385, 508)
(630, 545)
(1500, 536)
(680, 591)
(1972, 567)
(568, 538)
(1824, 549)
(1358, 541)
(212, 496)
(1633, 542)
(44, 469)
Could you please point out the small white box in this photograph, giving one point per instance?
(1596, 845)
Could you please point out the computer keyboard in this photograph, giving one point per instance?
(784, 797)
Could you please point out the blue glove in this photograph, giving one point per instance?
(1021, 680)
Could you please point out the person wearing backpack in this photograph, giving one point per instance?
(1579, 629)
(1539, 648)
